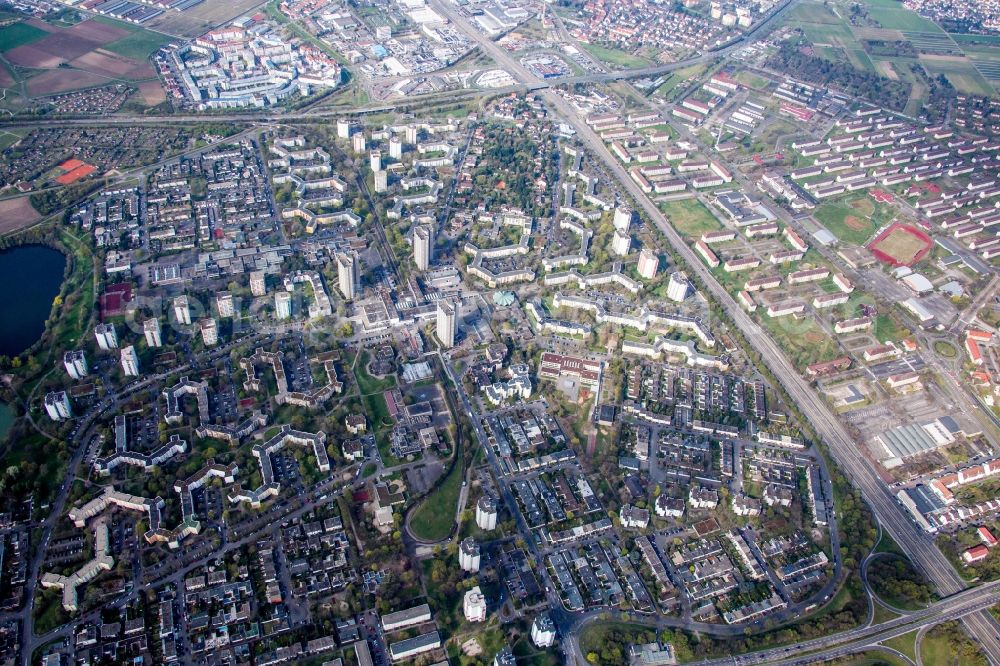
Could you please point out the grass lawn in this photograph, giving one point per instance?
(139, 45)
(677, 78)
(368, 384)
(905, 644)
(883, 614)
(19, 34)
(938, 649)
(886, 328)
(752, 80)
(874, 658)
(803, 340)
(434, 518)
(377, 410)
(690, 217)
(7, 139)
(945, 349)
(616, 57)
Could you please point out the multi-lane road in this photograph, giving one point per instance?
(890, 514)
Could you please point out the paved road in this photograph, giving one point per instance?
(890, 514)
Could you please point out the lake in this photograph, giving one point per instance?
(30, 277)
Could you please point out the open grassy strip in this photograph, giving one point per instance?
(615, 57)
(434, 517)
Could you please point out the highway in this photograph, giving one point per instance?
(890, 514)
(528, 83)
(961, 605)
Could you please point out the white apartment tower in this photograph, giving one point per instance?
(107, 336)
(151, 329)
(343, 129)
(468, 555)
(543, 631)
(182, 310)
(447, 318)
(57, 406)
(623, 218)
(225, 305)
(376, 160)
(395, 148)
(648, 264)
(679, 287)
(487, 509)
(130, 361)
(282, 305)
(621, 243)
(381, 181)
(423, 247)
(358, 142)
(474, 605)
(76, 364)
(258, 287)
(347, 274)
(209, 332)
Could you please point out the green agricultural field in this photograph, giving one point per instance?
(893, 16)
(19, 34)
(960, 72)
(139, 45)
(962, 39)
(615, 57)
(690, 217)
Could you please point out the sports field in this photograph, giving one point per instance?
(855, 218)
(901, 245)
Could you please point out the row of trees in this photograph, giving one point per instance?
(795, 58)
